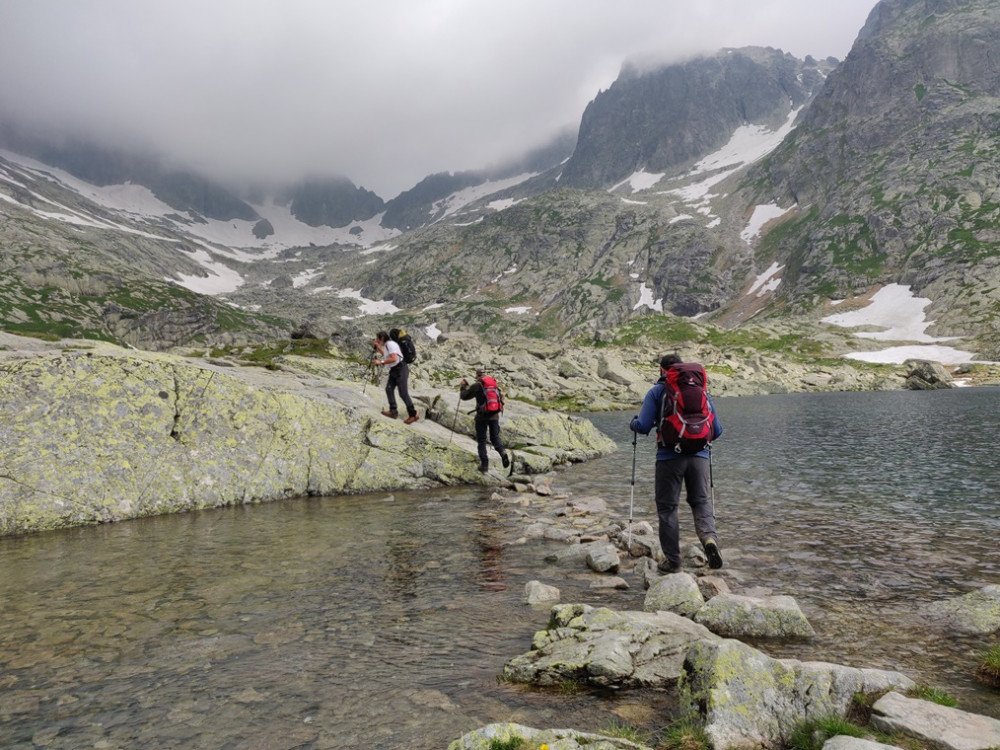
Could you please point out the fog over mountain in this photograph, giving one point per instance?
(381, 93)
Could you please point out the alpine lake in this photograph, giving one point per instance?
(383, 621)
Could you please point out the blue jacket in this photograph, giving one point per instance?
(649, 418)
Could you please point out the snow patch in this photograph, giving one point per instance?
(760, 216)
(368, 306)
(639, 181)
(458, 200)
(646, 298)
(901, 315)
(766, 282)
(220, 280)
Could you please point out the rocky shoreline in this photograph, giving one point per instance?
(92, 433)
(689, 638)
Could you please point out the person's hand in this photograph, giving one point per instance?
(464, 382)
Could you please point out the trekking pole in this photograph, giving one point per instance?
(454, 420)
(369, 371)
(711, 479)
(631, 500)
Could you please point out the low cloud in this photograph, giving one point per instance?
(382, 92)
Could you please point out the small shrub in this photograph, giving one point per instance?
(811, 735)
(624, 731)
(685, 734)
(569, 687)
(509, 743)
(989, 671)
(934, 695)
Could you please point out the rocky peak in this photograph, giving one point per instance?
(661, 120)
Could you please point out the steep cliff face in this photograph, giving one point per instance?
(894, 167)
(661, 120)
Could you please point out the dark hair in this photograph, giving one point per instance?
(669, 359)
(382, 336)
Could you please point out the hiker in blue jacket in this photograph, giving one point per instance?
(674, 469)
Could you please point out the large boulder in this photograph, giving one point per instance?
(677, 593)
(96, 433)
(603, 648)
(747, 699)
(739, 616)
(508, 735)
(938, 726)
(925, 375)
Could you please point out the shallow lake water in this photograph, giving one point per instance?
(382, 621)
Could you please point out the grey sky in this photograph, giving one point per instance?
(384, 92)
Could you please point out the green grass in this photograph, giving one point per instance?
(264, 355)
(934, 695)
(510, 743)
(624, 731)
(684, 734)
(989, 669)
(811, 735)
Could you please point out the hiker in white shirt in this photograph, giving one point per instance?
(399, 376)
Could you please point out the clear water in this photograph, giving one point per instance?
(382, 621)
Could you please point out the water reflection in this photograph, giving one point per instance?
(383, 621)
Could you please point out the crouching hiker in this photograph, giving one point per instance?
(399, 376)
(489, 406)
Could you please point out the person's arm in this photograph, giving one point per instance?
(649, 413)
(716, 424)
(468, 391)
(388, 359)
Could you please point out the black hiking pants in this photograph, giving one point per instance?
(399, 378)
(489, 425)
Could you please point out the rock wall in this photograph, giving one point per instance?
(97, 433)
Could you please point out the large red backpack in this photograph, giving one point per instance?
(494, 398)
(687, 422)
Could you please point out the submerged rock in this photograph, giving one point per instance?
(506, 735)
(975, 613)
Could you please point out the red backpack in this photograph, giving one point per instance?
(687, 422)
(494, 398)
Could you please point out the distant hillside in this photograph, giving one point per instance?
(742, 188)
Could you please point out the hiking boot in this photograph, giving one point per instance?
(713, 554)
(484, 468)
(666, 567)
(390, 414)
(505, 459)
(411, 419)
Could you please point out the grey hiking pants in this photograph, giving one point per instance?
(691, 472)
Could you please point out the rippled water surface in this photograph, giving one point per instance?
(382, 621)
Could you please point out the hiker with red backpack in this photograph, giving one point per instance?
(682, 412)
(489, 407)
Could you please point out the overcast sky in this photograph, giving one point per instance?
(384, 92)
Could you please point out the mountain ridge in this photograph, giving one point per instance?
(812, 175)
